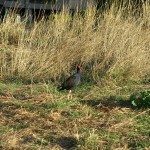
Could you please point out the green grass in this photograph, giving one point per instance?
(4, 129)
(93, 119)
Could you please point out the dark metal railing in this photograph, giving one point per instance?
(44, 4)
(29, 4)
(50, 5)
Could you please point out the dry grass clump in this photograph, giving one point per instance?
(107, 45)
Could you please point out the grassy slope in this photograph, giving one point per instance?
(39, 117)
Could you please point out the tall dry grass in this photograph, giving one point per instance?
(107, 45)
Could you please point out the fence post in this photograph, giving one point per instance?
(28, 12)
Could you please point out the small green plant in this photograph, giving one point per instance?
(93, 140)
(140, 99)
(41, 142)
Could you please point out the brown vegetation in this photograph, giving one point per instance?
(109, 45)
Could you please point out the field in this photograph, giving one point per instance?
(114, 50)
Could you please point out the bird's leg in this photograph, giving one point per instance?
(69, 95)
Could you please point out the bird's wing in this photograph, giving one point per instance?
(70, 82)
(73, 77)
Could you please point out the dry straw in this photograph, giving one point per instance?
(108, 45)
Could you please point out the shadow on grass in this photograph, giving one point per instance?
(65, 142)
(110, 102)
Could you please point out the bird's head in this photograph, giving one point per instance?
(78, 67)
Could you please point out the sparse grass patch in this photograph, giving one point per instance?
(107, 123)
(3, 88)
(19, 126)
(27, 105)
(41, 142)
(4, 129)
(92, 141)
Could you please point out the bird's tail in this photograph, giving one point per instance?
(59, 88)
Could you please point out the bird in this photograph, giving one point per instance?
(71, 82)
